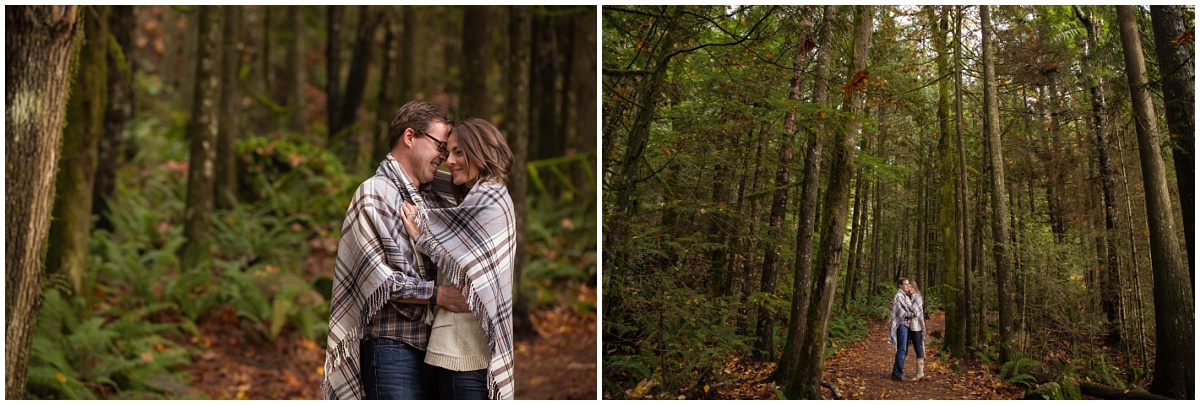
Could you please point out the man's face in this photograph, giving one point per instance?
(423, 155)
(905, 286)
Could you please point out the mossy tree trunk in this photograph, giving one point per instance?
(119, 109)
(1175, 52)
(230, 124)
(67, 249)
(519, 76)
(1174, 319)
(1000, 230)
(39, 42)
(806, 383)
(202, 133)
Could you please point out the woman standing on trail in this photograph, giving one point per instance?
(473, 245)
(916, 329)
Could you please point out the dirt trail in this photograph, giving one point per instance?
(863, 371)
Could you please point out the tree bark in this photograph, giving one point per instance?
(855, 237)
(806, 384)
(948, 212)
(229, 126)
(477, 62)
(72, 218)
(1174, 365)
(1111, 287)
(962, 196)
(350, 145)
(1178, 83)
(297, 72)
(519, 75)
(202, 132)
(333, 70)
(1000, 230)
(584, 94)
(764, 344)
(38, 42)
(119, 110)
(802, 268)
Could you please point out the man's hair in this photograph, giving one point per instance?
(484, 147)
(901, 281)
(416, 115)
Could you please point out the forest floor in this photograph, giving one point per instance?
(862, 370)
(558, 363)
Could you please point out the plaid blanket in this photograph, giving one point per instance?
(368, 258)
(474, 245)
(902, 311)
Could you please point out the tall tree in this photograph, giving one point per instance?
(1175, 49)
(72, 224)
(477, 62)
(229, 126)
(519, 75)
(333, 69)
(584, 92)
(806, 383)
(961, 197)
(1110, 296)
(1174, 364)
(802, 267)
(764, 344)
(119, 109)
(349, 146)
(39, 41)
(202, 133)
(1000, 231)
(948, 206)
(297, 72)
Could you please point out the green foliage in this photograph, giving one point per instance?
(291, 176)
(844, 328)
(80, 352)
(1014, 372)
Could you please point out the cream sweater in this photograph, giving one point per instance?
(457, 342)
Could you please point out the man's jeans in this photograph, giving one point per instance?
(394, 370)
(462, 384)
(901, 351)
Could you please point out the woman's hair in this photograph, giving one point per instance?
(484, 147)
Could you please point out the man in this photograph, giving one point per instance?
(902, 313)
(383, 288)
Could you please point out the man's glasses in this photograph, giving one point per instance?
(441, 146)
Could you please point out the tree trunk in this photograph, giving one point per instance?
(647, 98)
(1175, 64)
(229, 125)
(764, 345)
(297, 72)
(806, 384)
(121, 23)
(519, 76)
(333, 70)
(855, 237)
(584, 93)
(350, 145)
(172, 60)
(1174, 365)
(202, 132)
(72, 218)
(1000, 231)
(962, 198)
(802, 268)
(1111, 266)
(477, 62)
(39, 41)
(407, 43)
(947, 217)
(385, 104)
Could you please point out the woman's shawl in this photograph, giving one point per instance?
(368, 258)
(901, 311)
(474, 245)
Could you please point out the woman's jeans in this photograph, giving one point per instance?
(461, 384)
(901, 351)
(394, 370)
(918, 341)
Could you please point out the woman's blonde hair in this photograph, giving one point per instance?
(484, 147)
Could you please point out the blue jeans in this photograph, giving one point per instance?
(461, 384)
(901, 351)
(918, 341)
(394, 370)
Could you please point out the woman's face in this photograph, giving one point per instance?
(461, 171)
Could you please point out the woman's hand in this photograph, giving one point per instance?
(408, 213)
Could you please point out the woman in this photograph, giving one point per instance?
(473, 246)
(916, 329)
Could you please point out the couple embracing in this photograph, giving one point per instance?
(422, 293)
(907, 325)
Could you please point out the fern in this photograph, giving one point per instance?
(1014, 371)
